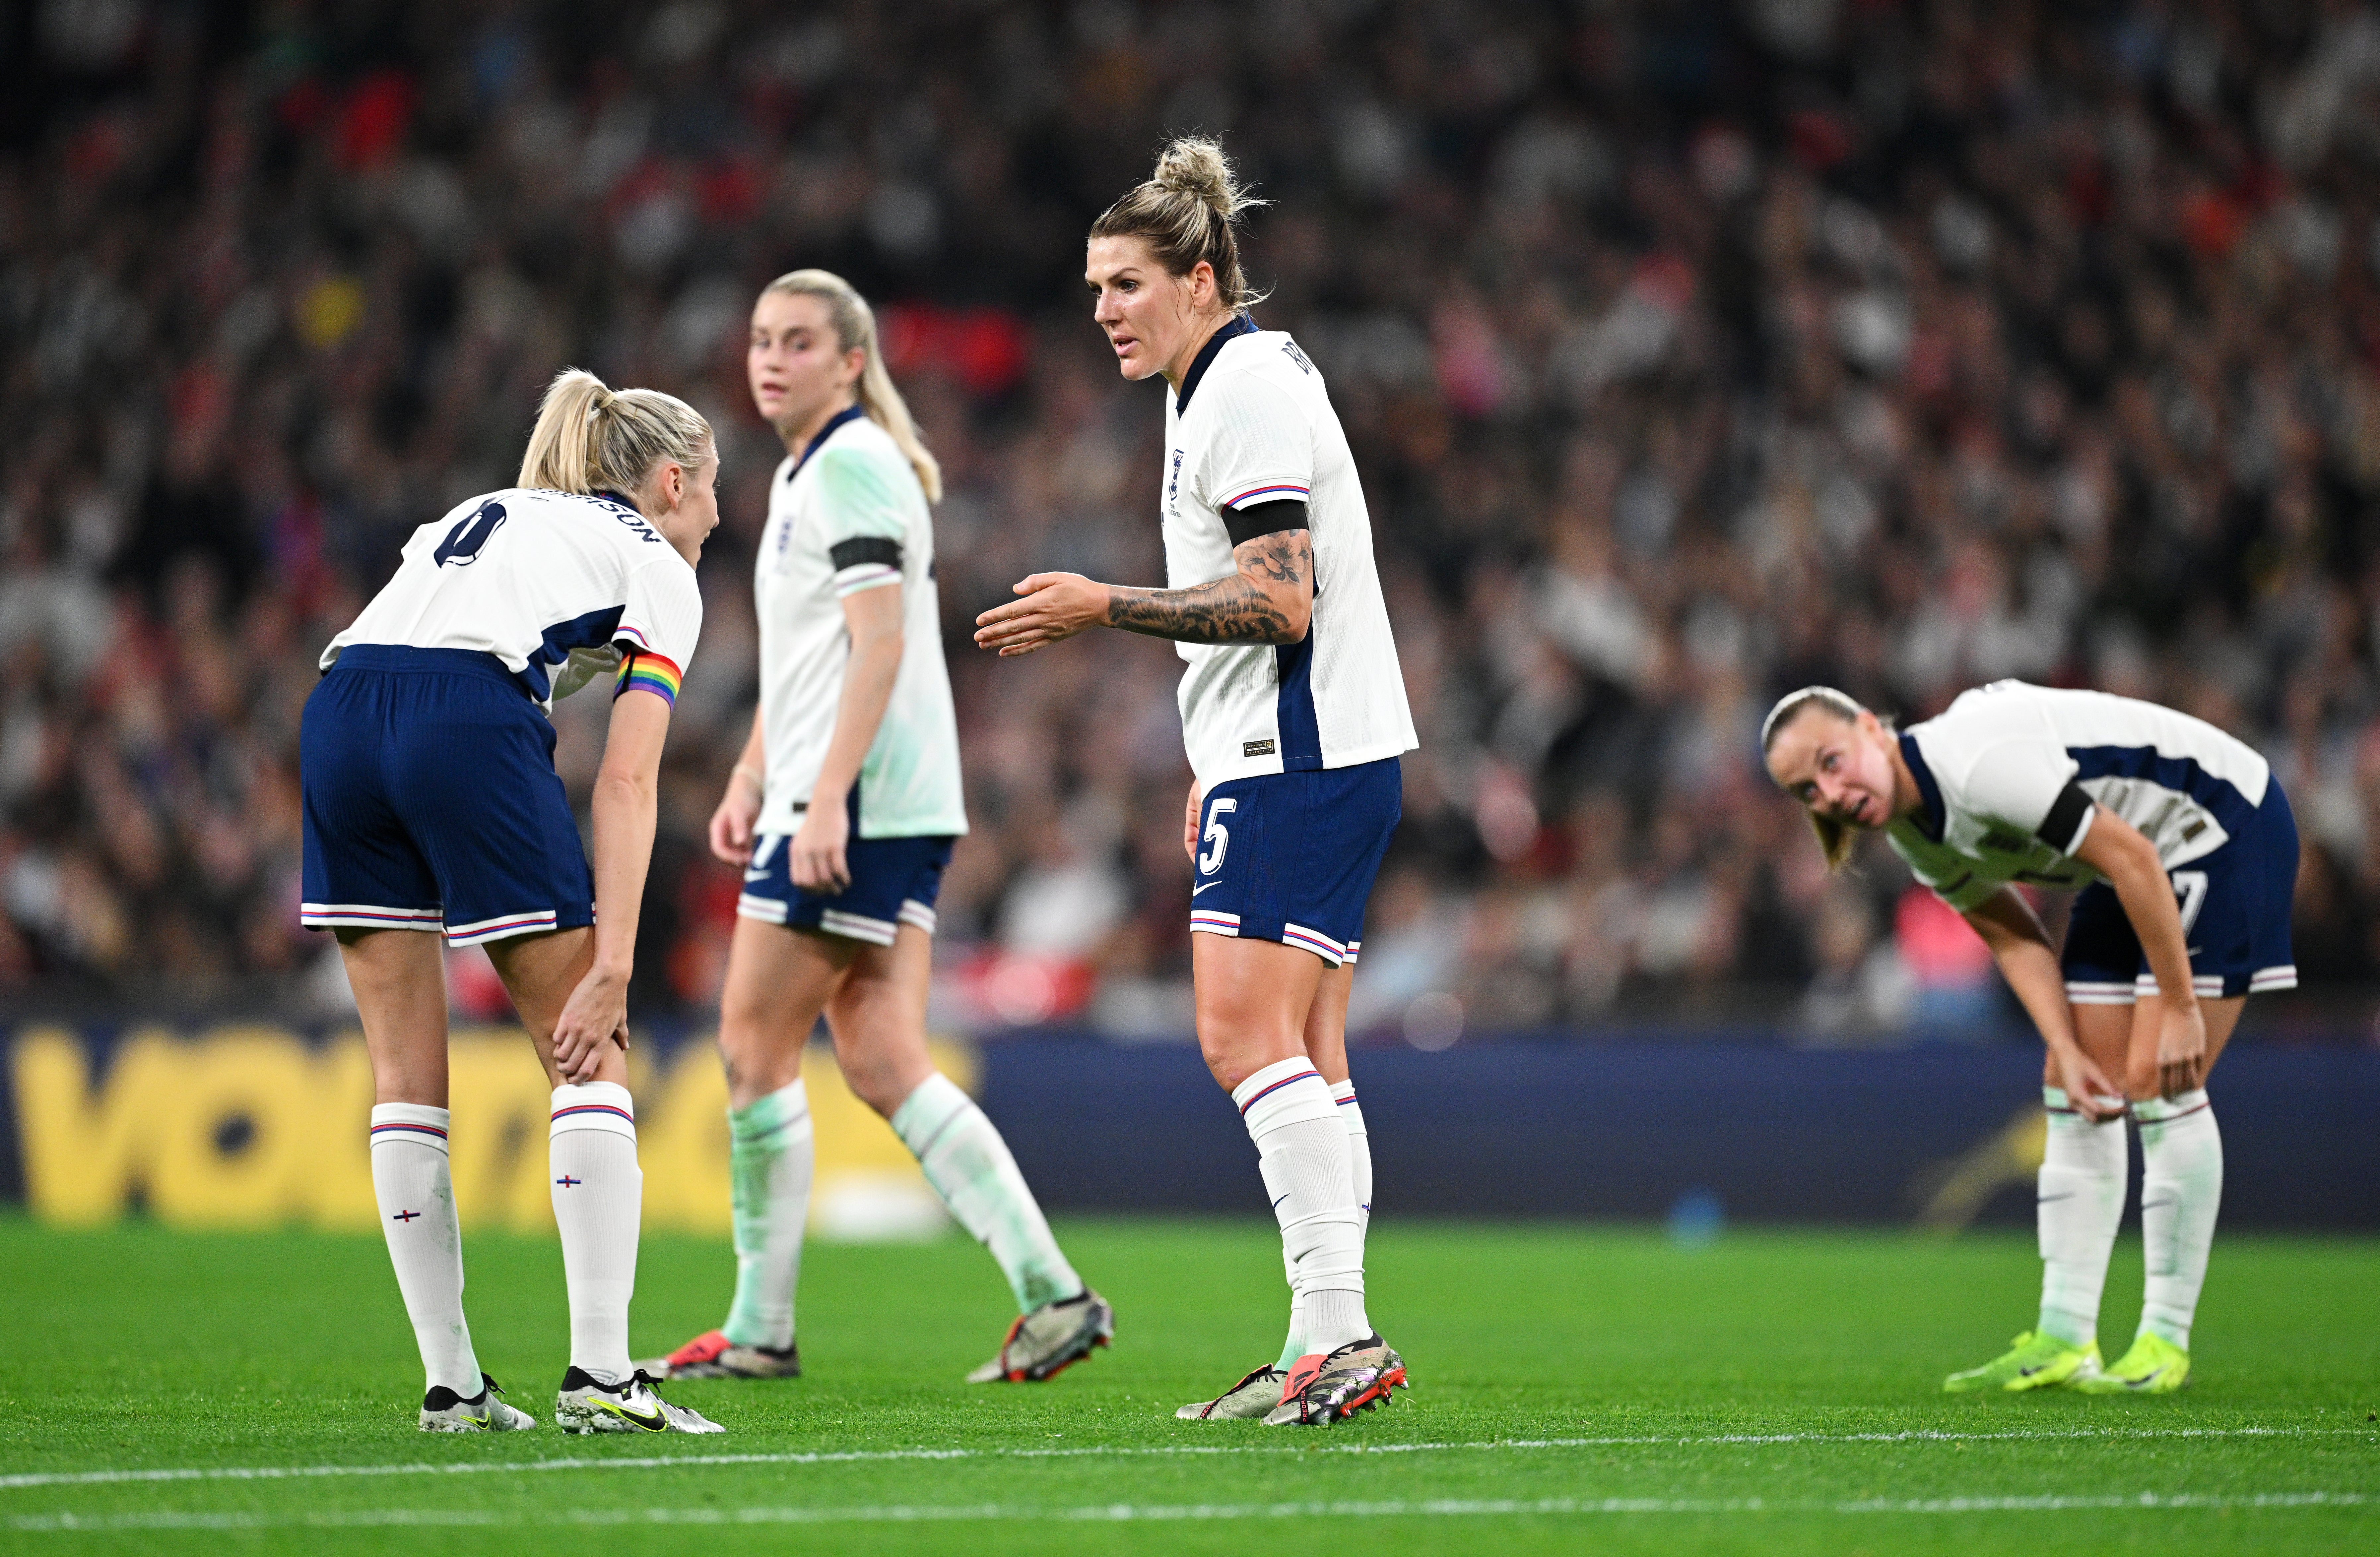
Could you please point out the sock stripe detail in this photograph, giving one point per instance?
(594, 1108)
(1285, 1082)
(419, 1129)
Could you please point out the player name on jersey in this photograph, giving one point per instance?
(558, 586)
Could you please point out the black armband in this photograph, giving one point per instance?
(1263, 519)
(2062, 829)
(864, 549)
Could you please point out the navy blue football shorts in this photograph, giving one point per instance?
(2235, 920)
(1291, 857)
(430, 801)
(895, 881)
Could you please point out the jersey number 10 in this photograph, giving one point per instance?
(461, 544)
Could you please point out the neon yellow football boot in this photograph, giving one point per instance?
(2033, 1361)
(2153, 1365)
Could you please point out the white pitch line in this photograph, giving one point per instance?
(850, 1456)
(1169, 1513)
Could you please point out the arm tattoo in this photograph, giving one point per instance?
(1247, 607)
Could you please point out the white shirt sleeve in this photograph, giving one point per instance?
(2017, 782)
(1263, 446)
(659, 626)
(861, 518)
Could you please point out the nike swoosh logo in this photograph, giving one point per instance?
(1195, 890)
(655, 1422)
(2044, 1199)
(1276, 1205)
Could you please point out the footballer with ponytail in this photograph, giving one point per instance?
(431, 810)
(841, 812)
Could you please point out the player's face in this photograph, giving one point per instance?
(796, 362)
(1840, 768)
(696, 513)
(1148, 315)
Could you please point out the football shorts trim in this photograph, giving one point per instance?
(368, 916)
(1315, 941)
(1353, 947)
(859, 926)
(768, 911)
(2206, 986)
(2265, 980)
(2080, 993)
(485, 930)
(1214, 922)
(918, 913)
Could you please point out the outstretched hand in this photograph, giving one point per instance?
(1055, 607)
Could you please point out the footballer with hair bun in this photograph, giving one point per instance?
(1294, 715)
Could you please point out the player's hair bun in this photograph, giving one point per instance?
(1186, 211)
(1194, 165)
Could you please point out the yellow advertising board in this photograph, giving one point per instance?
(251, 1126)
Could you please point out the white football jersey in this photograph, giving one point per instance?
(2010, 774)
(846, 516)
(556, 585)
(1252, 424)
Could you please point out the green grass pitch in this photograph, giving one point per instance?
(1574, 1389)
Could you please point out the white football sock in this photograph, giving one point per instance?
(1359, 1151)
(599, 1195)
(2181, 1188)
(769, 1159)
(970, 1167)
(1359, 1155)
(1302, 1150)
(2081, 1202)
(425, 1241)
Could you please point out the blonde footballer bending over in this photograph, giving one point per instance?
(842, 812)
(2185, 855)
(426, 763)
(1294, 715)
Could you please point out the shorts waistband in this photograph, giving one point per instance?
(441, 661)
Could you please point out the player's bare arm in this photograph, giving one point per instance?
(2118, 850)
(817, 853)
(2028, 960)
(1269, 600)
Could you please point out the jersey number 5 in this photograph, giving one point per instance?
(461, 544)
(1217, 834)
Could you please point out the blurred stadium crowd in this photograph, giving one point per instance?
(1691, 352)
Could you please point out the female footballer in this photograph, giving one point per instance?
(1294, 714)
(2186, 855)
(842, 812)
(431, 804)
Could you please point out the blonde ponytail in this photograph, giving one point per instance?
(591, 437)
(854, 328)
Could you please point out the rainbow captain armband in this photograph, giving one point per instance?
(643, 670)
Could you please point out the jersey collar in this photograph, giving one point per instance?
(1931, 817)
(848, 414)
(1238, 324)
